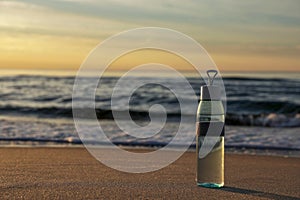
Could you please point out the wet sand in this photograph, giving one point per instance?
(72, 173)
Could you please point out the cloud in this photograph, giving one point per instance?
(19, 5)
(269, 27)
(227, 20)
(29, 18)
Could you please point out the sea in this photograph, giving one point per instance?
(262, 110)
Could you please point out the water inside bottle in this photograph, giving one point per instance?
(210, 169)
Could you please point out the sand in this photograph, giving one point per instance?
(72, 173)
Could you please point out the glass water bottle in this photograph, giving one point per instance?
(210, 136)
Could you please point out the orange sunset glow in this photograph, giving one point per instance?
(255, 36)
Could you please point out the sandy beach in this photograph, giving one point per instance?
(72, 173)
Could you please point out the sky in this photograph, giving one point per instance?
(239, 35)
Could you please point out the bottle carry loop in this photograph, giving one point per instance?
(211, 78)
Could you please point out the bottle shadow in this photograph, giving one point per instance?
(257, 193)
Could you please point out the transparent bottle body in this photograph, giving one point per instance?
(210, 168)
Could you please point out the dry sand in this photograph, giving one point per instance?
(72, 173)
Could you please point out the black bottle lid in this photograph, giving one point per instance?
(210, 91)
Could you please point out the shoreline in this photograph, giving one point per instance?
(72, 173)
(289, 153)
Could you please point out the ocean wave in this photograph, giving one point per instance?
(28, 130)
(254, 101)
(265, 120)
(151, 144)
(255, 106)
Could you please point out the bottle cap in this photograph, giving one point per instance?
(210, 91)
